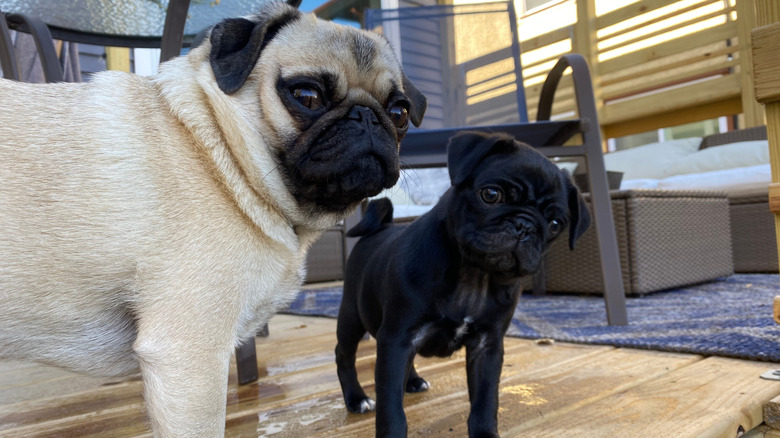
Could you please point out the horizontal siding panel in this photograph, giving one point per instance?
(425, 34)
(92, 59)
(423, 26)
(421, 74)
(501, 109)
(421, 49)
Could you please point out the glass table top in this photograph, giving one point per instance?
(136, 23)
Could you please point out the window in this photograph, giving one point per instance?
(696, 129)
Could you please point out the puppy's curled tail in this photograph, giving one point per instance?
(378, 214)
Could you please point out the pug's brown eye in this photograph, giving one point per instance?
(308, 97)
(555, 227)
(400, 116)
(491, 195)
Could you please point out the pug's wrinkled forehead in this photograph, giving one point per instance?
(343, 59)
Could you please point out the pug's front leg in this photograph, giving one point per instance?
(484, 359)
(393, 353)
(185, 375)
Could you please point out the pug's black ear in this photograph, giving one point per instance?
(236, 44)
(378, 214)
(468, 148)
(417, 99)
(579, 214)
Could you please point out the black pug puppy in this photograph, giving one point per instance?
(451, 278)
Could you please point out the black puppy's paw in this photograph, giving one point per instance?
(417, 384)
(361, 406)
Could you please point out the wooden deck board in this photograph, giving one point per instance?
(546, 390)
(541, 394)
(711, 398)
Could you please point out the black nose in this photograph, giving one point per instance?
(361, 113)
(523, 227)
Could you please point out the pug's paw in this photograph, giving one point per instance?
(362, 406)
(417, 384)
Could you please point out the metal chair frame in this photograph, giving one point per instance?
(427, 148)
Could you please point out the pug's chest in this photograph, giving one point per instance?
(263, 298)
(443, 337)
(461, 318)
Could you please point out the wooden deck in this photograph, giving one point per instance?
(548, 390)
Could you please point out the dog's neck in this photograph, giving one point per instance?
(192, 103)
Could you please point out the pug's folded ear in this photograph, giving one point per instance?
(579, 215)
(417, 99)
(468, 148)
(236, 44)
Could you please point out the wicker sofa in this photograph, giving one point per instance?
(729, 169)
(736, 163)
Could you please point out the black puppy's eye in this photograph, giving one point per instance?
(308, 97)
(555, 227)
(491, 195)
(399, 115)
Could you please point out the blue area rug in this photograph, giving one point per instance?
(729, 317)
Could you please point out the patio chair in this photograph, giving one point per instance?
(485, 92)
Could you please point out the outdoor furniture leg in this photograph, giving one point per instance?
(246, 362)
(173, 32)
(614, 294)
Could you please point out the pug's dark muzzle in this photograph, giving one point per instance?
(355, 158)
(513, 250)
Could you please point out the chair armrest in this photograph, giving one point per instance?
(7, 59)
(43, 42)
(583, 88)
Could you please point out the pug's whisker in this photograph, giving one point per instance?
(404, 186)
(414, 177)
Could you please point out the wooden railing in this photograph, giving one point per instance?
(655, 63)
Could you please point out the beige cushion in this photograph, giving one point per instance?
(651, 160)
(729, 156)
(736, 182)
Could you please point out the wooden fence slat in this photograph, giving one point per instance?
(680, 62)
(546, 39)
(696, 94)
(746, 22)
(617, 77)
(677, 45)
(672, 28)
(634, 10)
(647, 84)
(658, 19)
(673, 117)
(766, 47)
